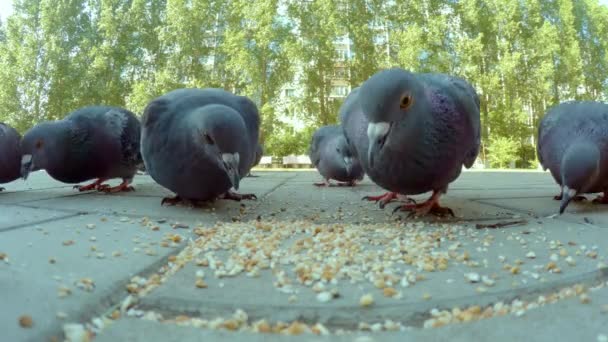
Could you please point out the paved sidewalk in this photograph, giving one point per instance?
(302, 261)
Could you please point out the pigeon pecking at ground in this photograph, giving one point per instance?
(573, 145)
(332, 156)
(10, 154)
(413, 133)
(199, 143)
(94, 142)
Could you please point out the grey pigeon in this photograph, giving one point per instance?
(199, 143)
(573, 145)
(95, 142)
(332, 156)
(10, 154)
(259, 152)
(413, 133)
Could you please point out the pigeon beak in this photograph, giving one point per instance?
(377, 132)
(231, 163)
(567, 195)
(27, 165)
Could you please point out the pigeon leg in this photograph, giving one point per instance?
(171, 200)
(238, 197)
(351, 183)
(124, 186)
(388, 197)
(325, 182)
(602, 199)
(578, 198)
(96, 184)
(431, 206)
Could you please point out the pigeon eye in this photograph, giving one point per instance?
(208, 139)
(39, 144)
(406, 102)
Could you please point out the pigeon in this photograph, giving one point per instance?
(199, 143)
(259, 151)
(573, 145)
(332, 156)
(10, 154)
(413, 132)
(94, 142)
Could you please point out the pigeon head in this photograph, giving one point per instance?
(43, 146)
(390, 99)
(343, 155)
(580, 168)
(222, 131)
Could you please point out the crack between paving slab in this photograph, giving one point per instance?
(54, 219)
(562, 218)
(116, 294)
(348, 317)
(43, 199)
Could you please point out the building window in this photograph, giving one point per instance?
(339, 91)
(342, 54)
(290, 92)
(340, 73)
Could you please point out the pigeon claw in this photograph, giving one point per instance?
(122, 187)
(383, 199)
(93, 186)
(350, 183)
(578, 198)
(601, 199)
(321, 184)
(388, 197)
(430, 206)
(238, 197)
(422, 209)
(171, 200)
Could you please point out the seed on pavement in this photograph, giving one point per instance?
(26, 321)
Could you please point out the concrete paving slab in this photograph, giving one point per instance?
(45, 213)
(43, 257)
(12, 217)
(566, 320)
(146, 201)
(490, 253)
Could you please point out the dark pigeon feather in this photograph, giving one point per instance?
(331, 154)
(95, 142)
(176, 148)
(10, 154)
(428, 142)
(573, 145)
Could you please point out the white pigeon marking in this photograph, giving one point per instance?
(26, 158)
(377, 129)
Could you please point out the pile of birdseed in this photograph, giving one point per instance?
(304, 256)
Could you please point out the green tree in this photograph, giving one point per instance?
(502, 151)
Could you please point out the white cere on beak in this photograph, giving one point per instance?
(377, 129)
(231, 158)
(348, 160)
(26, 158)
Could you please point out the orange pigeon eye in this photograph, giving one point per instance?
(406, 102)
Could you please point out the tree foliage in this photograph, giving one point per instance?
(522, 56)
